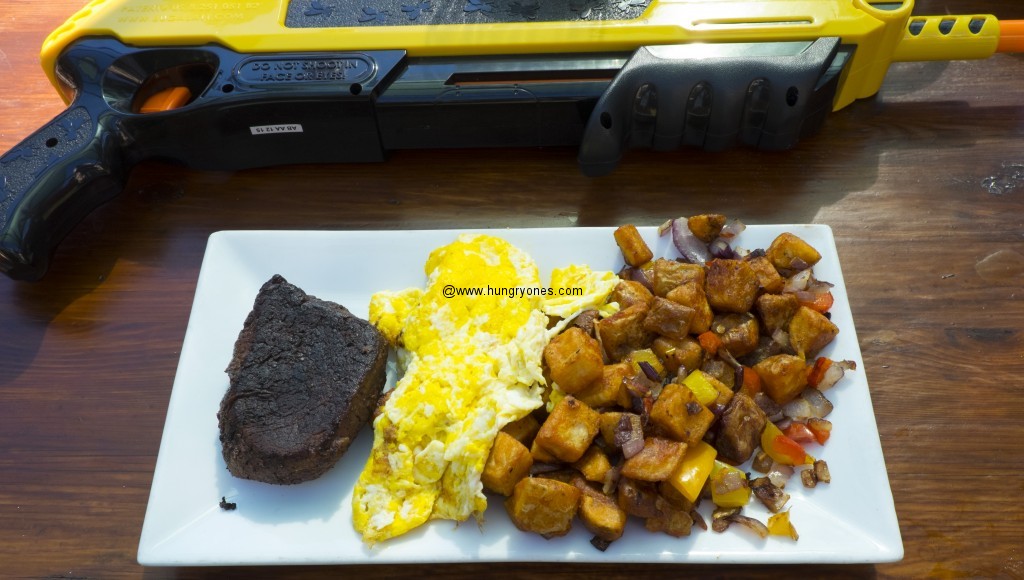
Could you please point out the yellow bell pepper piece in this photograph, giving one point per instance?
(645, 355)
(736, 498)
(694, 470)
(702, 388)
(779, 525)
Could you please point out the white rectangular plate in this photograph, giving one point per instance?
(851, 520)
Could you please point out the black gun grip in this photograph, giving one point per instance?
(713, 96)
(49, 182)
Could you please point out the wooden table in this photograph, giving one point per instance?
(923, 186)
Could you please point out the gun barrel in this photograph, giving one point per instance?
(962, 37)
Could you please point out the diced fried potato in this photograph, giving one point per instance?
(776, 310)
(524, 430)
(739, 332)
(680, 415)
(623, 332)
(594, 464)
(722, 372)
(673, 521)
(608, 423)
(574, 359)
(634, 249)
(543, 506)
(602, 516)
(508, 462)
(706, 226)
(731, 286)
(541, 455)
(787, 249)
(607, 391)
(693, 295)
(629, 292)
(565, 475)
(768, 277)
(810, 331)
(739, 429)
(783, 376)
(638, 498)
(668, 318)
(568, 430)
(675, 354)
(667, 274)
(673, 496)
(725, 392)
(656, 461)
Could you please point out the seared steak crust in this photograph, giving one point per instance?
(305, 377)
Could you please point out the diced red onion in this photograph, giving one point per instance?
(751, 524)
(819, 286)
(810, 403)
(721, 249)
(538, 468)
(834, 373)
(831, 377)
(732, 229)
(632, 447)
(797, 409)
(730, 481)
(611, 479)
(779, 474)
(629, 435)
(797, 282)
(781, 338)
(688, 245)
(698, 520)
(649, 371)
(805, 296)
(638, 275)
(665, 227)
(820, 405)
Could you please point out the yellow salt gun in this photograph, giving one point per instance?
(234, 84)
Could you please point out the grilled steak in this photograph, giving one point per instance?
(305, 377)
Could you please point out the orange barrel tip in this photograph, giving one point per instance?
(1011, 36)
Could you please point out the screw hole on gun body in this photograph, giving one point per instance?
(792, 96)
(606, 120)
(227, 88)
(355, 89)
(52, 142)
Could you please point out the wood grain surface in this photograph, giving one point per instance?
(923, 186)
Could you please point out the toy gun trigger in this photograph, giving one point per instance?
(53, 179)
(713, 96)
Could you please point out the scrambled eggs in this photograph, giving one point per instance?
(472, 364)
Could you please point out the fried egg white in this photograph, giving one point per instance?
(472, 364)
